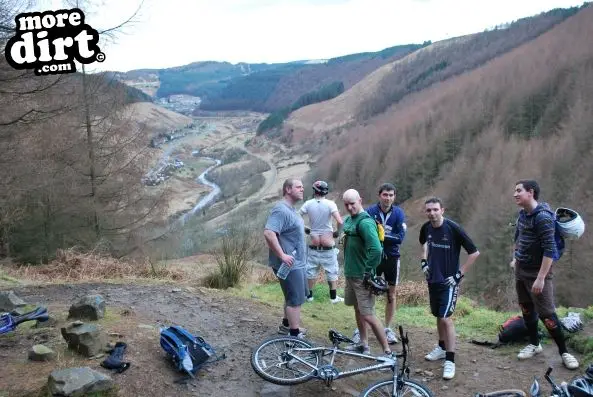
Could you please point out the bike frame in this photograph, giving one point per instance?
(334, 351)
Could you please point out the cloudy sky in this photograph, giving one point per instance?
(176, 32)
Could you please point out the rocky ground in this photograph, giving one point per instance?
(233, 326)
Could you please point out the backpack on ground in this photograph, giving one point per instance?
(513, 330)
(188, 352)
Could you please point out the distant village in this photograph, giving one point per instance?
(166, 168)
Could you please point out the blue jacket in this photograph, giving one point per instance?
(394, 223)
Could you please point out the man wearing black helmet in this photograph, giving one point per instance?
(321, 251)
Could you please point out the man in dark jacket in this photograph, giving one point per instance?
(535, 248)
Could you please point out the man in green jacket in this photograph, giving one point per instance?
(362, 255)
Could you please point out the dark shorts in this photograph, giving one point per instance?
(294, 287)
(543, 303)
(389, 267)
(442, 299)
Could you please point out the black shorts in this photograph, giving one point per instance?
(442, 299)
(389, 266)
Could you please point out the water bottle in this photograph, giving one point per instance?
(284, 269)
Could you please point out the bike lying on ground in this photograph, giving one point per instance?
(287, 360)
(581, 386)
(9, 321)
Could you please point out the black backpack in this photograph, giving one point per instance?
(513, 330)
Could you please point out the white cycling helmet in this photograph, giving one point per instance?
(571, 224)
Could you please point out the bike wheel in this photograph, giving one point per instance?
(504, 393)
(386, 388)
(271, 361)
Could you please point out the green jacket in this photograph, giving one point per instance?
(362, 253)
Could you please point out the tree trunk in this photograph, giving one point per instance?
(91, 148)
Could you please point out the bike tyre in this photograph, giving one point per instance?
(279, 380)
(504, 393)
(414, 385)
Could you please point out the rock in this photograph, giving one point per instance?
(86, 339)
(75, 382)
(9, 301)
(41, 353)
(49, 323)
(445, 387)
(91, 307)
(176, 290)
(272, 390)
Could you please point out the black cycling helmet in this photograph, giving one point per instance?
(376, 284)
(321, 187)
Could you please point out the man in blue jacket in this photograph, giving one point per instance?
(393, 220)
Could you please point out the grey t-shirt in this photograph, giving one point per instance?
(288, 225)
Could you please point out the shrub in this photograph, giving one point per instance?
(237, 247)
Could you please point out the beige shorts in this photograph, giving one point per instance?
(355, 294)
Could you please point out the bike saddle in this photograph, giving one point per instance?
(337, 337)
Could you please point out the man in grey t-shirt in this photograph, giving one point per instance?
(285, 235)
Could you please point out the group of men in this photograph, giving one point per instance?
(366, 255)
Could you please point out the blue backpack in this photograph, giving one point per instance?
(188, 352)
(560, 243)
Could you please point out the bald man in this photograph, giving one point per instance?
(362, 255)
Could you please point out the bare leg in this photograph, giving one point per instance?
(377, 330)
(441, 329)
(448, 333)
(362, 328)
(390, 306)
(293, 314)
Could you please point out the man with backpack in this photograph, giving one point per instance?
(362, 255)
(534, 254)
(391, 217)
(441, 240)
(285, 236)
(322, 251)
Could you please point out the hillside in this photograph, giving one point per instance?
(274, 89)
(74, 151)
(524, 114)
(258, 87)
(424, 67)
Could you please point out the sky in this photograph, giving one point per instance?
(169, 33)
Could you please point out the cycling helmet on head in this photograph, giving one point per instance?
(570, 223)
(376, 284)
(321, 187)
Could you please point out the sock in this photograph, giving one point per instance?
(294, 332)
(442, 344)
(450, 356)
(332, 294)
(285, 322)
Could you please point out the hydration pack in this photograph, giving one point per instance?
(188, 352)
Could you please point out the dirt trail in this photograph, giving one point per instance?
(270, 179)
(235, 326)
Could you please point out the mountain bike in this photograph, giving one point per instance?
(562, 390)
(287, 360)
